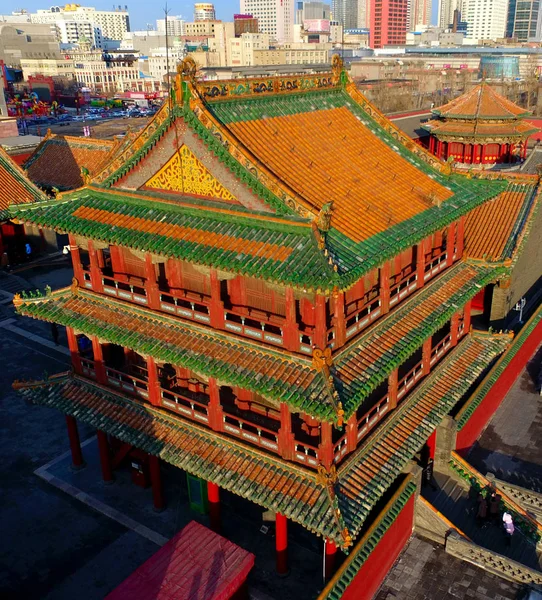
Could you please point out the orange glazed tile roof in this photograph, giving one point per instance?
(482, 102)
(477, 129)
(58, 160)
(491, 230)
(15, 188)
(331, 156)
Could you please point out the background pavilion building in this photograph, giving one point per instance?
(272, 291)
(481, 127)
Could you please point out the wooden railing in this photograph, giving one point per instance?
(186, 305)
(409, 380)
(127, 383)
(256, 434)
(254, 326)
(435, 265)
(306, 454)
(400, 290)
(87, 282)
(373, 416)
(87, 366)
(360, 319)
(189, 407)
(125, 291)
(440, 349)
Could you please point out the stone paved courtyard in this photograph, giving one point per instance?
(511, 445)
(425, 572)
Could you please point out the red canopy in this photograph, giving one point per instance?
(197, 564)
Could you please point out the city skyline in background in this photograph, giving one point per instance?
(142, 15)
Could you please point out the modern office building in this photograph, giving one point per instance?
(274, 18)
(203, 11)
(523, 19)
(388, 23)
(485, 20)
(108, 26)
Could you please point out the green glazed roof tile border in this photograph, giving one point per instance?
(318, 518)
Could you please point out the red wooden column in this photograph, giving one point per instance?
(290, 329)
(339, 321)
(153, 382)
(454, 329)
(483, 154)
(426, 356)
(214, 408)
(450, 243)
(330, 553)
(105, 457)
(213, 496)
(216, 307)
(75, 444)
(76, 260)
(320, 322)
(156, 482)
(420, 264)
(352, 433)
(325, 449)
(99, 364)
(286, 441)
(95, 271)
(385, 272)
(74, 350)
(281, 543)
(393, 383)
(151, 285)
(467, 316)
(460, 237)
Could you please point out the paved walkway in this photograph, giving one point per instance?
(511, 445)
(425, 572)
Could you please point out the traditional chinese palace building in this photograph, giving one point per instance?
(481, 127)
(272, 291)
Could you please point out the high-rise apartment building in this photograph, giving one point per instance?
(388, 23)
(446, 10)
(275, 17)
(345, 12)
(204, 11)
(175, 26)
(107, 25)
(312, 10)
(364, 14)
(523, 18)
(418, 14)
(486, 19)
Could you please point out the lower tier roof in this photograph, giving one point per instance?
(276, 374)
(335, 506)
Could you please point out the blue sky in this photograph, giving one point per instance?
(142, 11)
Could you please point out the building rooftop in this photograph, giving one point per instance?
(58, 161)
(14, 185)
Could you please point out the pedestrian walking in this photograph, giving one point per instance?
(509, 528)
(481, 513)
(494, 506)
(54, 333)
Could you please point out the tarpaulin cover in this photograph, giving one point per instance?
(197, 564)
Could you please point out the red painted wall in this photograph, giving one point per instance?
(376, 567)
(20, 159)
(479, 419)
(431, 442)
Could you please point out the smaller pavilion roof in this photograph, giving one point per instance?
(476, 129)
(15, 186)
(196, 563)
(482, 102)
(58, 160)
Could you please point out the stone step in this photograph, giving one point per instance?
(453, 500)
